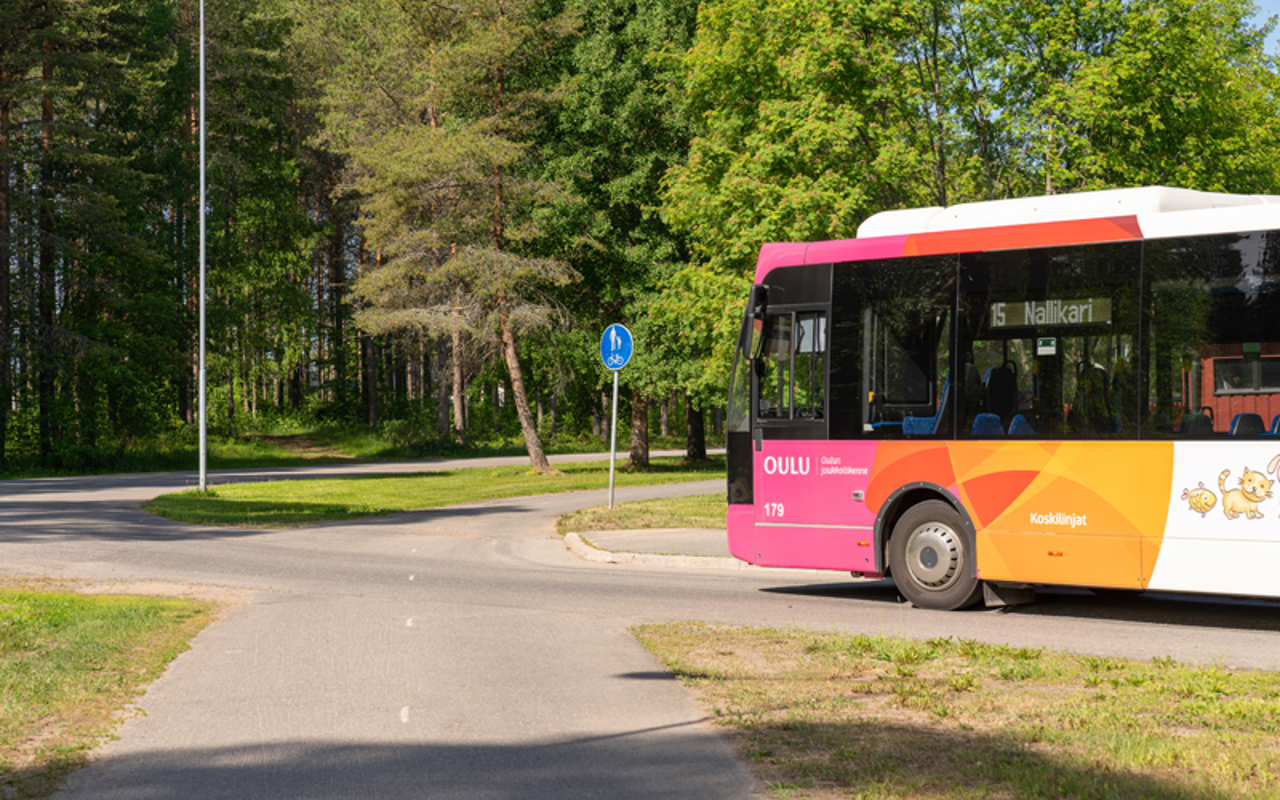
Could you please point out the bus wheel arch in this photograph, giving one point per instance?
(931, 547)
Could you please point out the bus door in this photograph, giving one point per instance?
(790, 404)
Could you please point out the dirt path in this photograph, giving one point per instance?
(303, 447)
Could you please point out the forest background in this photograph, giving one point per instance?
(422, 215)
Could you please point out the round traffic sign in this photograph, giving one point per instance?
(616, 346)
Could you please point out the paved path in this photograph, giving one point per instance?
(464, 652)
(449, 653)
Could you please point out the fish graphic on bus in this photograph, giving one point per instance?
(1200, 499)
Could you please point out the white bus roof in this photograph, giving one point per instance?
(1162, 212)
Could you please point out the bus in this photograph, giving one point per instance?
(975, 401)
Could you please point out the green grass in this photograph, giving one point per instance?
(699, 511)
(69, 664)
(840, 716)
(307, 502)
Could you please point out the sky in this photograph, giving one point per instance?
(1266, 9)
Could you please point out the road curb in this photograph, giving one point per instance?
(583, 549)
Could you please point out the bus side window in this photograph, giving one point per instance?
(1213, 337)
(891, 349)
(1052, 333)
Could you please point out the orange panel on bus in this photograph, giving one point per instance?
(1061, 558)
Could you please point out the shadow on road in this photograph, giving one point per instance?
(675, 761)
(1195, 611)
(31, 522)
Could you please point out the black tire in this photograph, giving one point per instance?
(931, 559)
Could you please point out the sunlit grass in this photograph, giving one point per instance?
(304, 502)
(839, 716)
(699, 511)
(69, 664)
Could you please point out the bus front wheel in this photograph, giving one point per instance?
(930, 559)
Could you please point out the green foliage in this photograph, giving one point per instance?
(1094, 95)
(525, 173)
(812, 120)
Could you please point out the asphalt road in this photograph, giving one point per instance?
(464, 653)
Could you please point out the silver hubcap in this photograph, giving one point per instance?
(933, 555)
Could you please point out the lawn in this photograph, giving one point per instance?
(308, 502)
(851, 716)
(69, 666)
(698, 511)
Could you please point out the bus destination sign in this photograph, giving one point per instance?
(1087, 311)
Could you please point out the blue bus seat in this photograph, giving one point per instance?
(1247, 424)
(1021, 426)
(987, 425)
(1275, 425)
(928, 426)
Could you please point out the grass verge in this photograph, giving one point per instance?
(69, 665)
(307, 502)
(827, 716)
(698, 511)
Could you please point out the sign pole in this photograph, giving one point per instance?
(616, 346)
(613, 438)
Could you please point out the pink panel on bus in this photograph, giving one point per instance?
(741, 524)
(774, 255)
(818, 548)
(813, 482)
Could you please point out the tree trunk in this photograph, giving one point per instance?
(639, 430)
(606, 416)
(298, 386)
(337, 286)
(6, 381)
(537, 458)
(442, 388)
(231, 401)
(459, 407)
(47, 370)
(696, 449)
(370, 379)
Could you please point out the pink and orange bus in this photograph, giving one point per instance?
(977, 400)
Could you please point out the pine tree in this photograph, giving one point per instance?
(434, 106)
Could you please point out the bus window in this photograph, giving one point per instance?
(1049, 343)
(740, 379)
(773, 369)
(810, 364)
(791, 367)
(891, 348)
(1213, 337)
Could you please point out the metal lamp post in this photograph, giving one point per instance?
(204, 417)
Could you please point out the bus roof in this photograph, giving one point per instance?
(1152, 212)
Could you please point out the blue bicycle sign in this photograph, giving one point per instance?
(616, 346)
